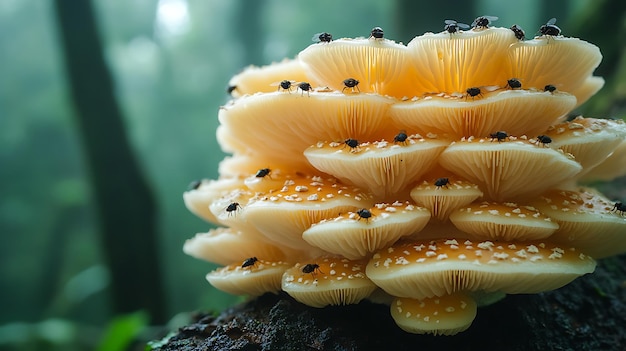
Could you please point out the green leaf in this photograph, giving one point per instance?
(122, 330)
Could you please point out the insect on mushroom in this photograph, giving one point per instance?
(441, 182)
(401, 137)
(250, 262)
(311, 268)
(483, 22)
(352, 143)
(544, 140)
(473, 92)
(322, 37)
(364, 214)
(230, 89)
(232, 208)
(452, 26)
(514, 83)
(619, 208)
(551, 88)
(499, 135)
(285, 85)
(351, 83)
(263, 172)
(377, 33)
(518, 31)
(550, 29)
(304, 86)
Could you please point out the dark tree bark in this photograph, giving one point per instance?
(588, 314)
(124, 201)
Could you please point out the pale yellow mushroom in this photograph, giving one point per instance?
(253, 280)
(441, 267)
(587, 220)
(441, 315)
(328, 281)
(357, 234)
(385, 167)
(510, 169)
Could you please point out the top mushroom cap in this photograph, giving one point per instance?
(442, 267)
(563, 62)
(452, 63)
(379, 65)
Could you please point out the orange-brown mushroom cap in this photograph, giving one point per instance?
(441, 267)
(336, 281)
(503, 221)
(355, 237)
(510, 169)
(385, 168)
(440, 315)
(587, 221)
(258, 279)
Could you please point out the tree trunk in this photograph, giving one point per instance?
(124, 201)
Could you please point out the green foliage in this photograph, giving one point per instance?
(122, 331)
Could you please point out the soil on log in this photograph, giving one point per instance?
(588, 314)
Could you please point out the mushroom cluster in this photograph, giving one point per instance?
(435, 177)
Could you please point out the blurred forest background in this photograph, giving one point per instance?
(108, 109)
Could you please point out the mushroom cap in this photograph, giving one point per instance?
(226, 245)
(442, 201)
(587, 89)
(503, 221)
(337, 281)
(452, 63)
(379, 65)
(354, 237)
(441, 315)
(255, 79)
(612, 167)
(278, 127)
(199, 199)
(510, 169)
(282, 216)
(590, 140)
(586, 221)
(258, 279)
(441, 267)
(516, 111)
(561, 61)
(384, 168)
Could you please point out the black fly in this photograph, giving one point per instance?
(351, 83)
(499, 135)
(249, 262)
(550, 28)
(440, 182)
(322, 37)
(483, 22)
(519, 32)
(364, 214)
(377, 33)
(452, 26)
(311, 268)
